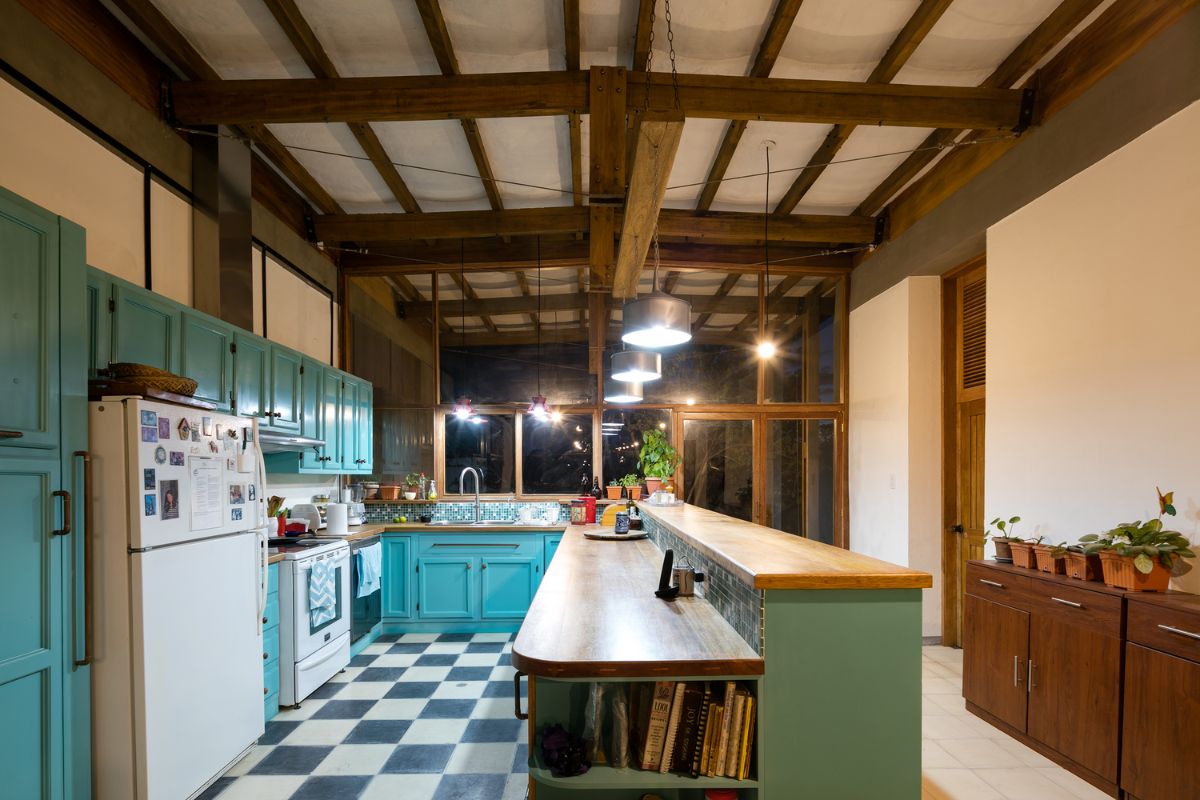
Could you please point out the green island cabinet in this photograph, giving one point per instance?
(270, 623)
(238, 371)
(453, 581)
(45, 743)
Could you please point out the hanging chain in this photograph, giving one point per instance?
(671, 53)
(649, 56)
(675, 90)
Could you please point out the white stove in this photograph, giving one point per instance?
(309, 655)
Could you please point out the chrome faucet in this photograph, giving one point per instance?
(462, 485)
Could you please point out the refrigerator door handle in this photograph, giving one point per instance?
(87, 566)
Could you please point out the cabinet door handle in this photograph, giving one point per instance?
(66, 498)
(87, 562)
(468, 565)
(1016, 670)
(484, 566)
(1070, 603)
(517, 696)
(1180, 631)
(986, 582)
(1029, 685)
(11, 434)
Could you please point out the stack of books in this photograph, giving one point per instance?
(694, 728)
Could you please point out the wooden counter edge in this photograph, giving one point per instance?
(883, 580)
(610, 670)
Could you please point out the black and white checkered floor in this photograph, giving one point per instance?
(415, 716)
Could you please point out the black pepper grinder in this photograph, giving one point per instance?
(596, 487)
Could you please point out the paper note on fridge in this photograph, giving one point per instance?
(206, 492)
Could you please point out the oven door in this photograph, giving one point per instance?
(311, 638)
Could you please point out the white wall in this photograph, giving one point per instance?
(895, 432)
(1093, 350)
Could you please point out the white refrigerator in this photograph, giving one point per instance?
(179, 586)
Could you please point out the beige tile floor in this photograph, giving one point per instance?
(964, 758)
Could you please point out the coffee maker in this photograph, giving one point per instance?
(356, 511)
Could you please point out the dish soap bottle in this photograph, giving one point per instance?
(432, 493)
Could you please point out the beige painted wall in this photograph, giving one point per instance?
(1094, 344)
(895, 433)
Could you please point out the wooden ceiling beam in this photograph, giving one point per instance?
(764, 61)
(704, 305)
(641, 34)
(470, 294)
(519, 94)
(724, 289)
(772, 298)
(910, 36)
(739, 227)
(305, 40)
(571, 39)
(1061, 21)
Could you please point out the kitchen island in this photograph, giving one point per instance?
(827, 641)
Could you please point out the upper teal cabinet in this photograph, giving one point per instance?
(285, 408)
(145, 328)
(331, 419)
(311, 413)
(250, 370)
(98, 296)
(206, 356)
(356, 420)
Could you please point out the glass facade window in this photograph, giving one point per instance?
(800, 477)
(489, 446)
(621, 438)
(556, 455)
(805, 366)
(718, 465)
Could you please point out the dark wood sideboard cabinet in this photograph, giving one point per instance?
(1042, 661)
(1161, 726)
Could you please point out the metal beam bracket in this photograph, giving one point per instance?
(881, 225)
(310, 229)
(166, 105)
(1025, 115)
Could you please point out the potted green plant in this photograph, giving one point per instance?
(1080, 565)
(657, 459)
(614, 489)
(633, 486)
(1051, 558)
(1004, 539)
(1140, 556)
(411, 481)
(1022, 551)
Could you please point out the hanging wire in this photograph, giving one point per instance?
(766, 291)
(538, 326)
(462, 287)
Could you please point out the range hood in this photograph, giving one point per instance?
(275, 442)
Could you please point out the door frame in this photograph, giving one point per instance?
(952, 542)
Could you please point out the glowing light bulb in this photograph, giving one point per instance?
(766, 349)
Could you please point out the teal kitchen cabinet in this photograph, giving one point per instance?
(356, 420)
(285, 408)
(507, 584)
(45, 745)
(145, 328)
(206, 356)
(397, 594)
(549, 548)
(331, 419)
(97, 300)
(271, 645)
(446, 587)
(250, 374)
(311, 414)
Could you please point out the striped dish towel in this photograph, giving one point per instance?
(322, 593)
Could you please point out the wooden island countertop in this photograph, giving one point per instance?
(595, 616)
(765, 558)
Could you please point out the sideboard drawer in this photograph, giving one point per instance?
(998, 585)
(1096, 611)
(1170, 626)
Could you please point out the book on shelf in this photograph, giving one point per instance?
(747, 737)
(654, 713)
(689, 725)
(668, 750)
(717, 766)
(697, 744)
(712, 738)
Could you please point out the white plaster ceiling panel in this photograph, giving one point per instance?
(712, 37)
(795, 142)
(513, 36)
(971, 39)
(706, 283)
(238, 38)
(371, 37)
(842, 186)
(510, 321)
(724, 321)
(436, 145)
(354, 181)
(606, 31)
(585, 152)
(841, 40)
(423, 283)
(534, 153)
(697, 147)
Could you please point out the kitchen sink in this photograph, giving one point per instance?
(487, 523)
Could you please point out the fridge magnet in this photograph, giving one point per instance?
(219, 432)
(206, 425)
(149, 434)
(160, 455)
(176, 458)
(150, 503)
(231, 464)
(231, 433)
(148, 479)
(164, 428)
(236, 494)
(195, 434)
(168, 492)
(250, 492)
(185, 429)
(235, 514)
(213, 447)
(149, 419)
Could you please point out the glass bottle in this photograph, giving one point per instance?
(432, 493)
(596, 493)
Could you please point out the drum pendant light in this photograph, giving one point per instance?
(636, 366)
(462, 405)
(624, 393)
(657, 320)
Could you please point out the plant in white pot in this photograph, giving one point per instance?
(412, 481)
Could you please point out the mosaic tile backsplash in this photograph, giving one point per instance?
(739, 604)
(465, 512)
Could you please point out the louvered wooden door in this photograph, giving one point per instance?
(966, 366)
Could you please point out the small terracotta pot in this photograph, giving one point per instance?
(1022, 553)
(1047, 562)
(389, 492)
(1003, 550)
(614, 492)
(653, 485)
(1083, 567)
(635, 493)
(1120, 573)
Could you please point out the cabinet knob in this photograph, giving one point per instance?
(265, 620)
(484, 565)
(468, 565)
(265, 692)
(264, 656)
